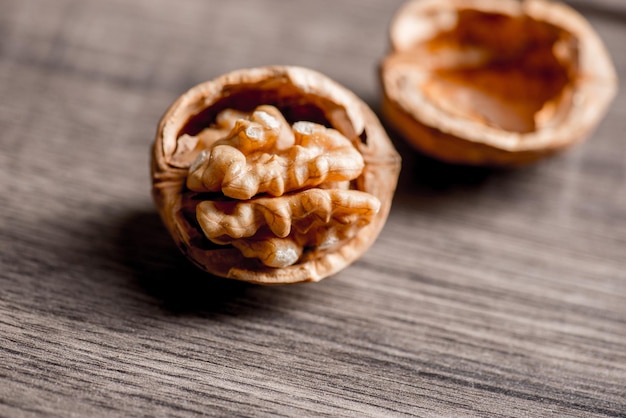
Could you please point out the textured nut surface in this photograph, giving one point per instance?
(273, 175)
(277, 230)
(263, 154)
(495, 82)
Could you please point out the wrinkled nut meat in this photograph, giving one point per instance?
(494, 82)
(273, 175)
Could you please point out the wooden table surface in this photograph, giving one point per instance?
(488, 293)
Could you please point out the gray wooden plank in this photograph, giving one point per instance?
(489, 293)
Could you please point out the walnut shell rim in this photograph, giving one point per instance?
(301, 91)
(457, 140)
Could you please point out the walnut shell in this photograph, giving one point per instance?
(494, 82)
(245, 196)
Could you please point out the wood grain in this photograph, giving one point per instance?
(489, 293)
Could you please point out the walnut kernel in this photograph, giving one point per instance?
(273, 175)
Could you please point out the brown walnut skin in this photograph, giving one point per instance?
(301, 95)
(494, 82)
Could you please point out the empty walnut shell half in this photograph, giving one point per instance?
(273, 175)
(494, 82)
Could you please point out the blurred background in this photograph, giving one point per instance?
(489, 291)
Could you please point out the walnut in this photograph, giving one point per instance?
(273, 175)
(494, 82)
(313, 218)
(263, 154)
